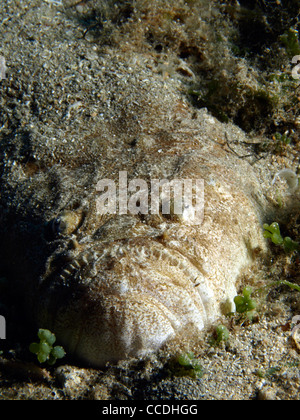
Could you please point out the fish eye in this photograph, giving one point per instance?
(67, 222)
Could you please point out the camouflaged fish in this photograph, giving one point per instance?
(114, 285)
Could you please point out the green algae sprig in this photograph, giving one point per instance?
(187, 365)
(245, 304)
(273, 232)
(44, 349)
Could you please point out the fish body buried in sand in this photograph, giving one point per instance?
(112, 286)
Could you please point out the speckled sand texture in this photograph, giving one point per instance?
(82, 103)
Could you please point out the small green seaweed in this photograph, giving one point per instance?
(287, 283)
(282, 139)
(186, 364)
(44, 349)
(220, 334)
(273, 232)
(265, 289)
(290, 245)
(245, 304)
(291, 41)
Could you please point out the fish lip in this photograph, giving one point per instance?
(74, 286)
(100, 257)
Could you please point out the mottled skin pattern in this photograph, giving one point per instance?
(110, 287)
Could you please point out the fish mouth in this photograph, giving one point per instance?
(124, 299)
